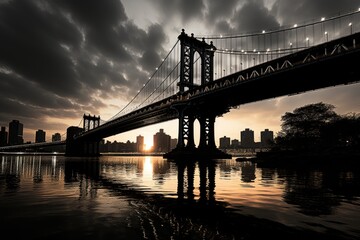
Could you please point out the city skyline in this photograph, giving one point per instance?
(40, 136)
(60, 63)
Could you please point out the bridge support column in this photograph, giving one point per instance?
(207, 147)
(80, 148)
(91, 148)
(186, 129)
(207, 132)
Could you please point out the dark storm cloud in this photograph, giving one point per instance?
(12, 86)
(290, 12)
(151, 58)
(187, 10)
(191, 9)
(220, 10)
(95, 14)
(112, 37)
(63, 58)
(253, 16)
(233, 16)
(30, 46)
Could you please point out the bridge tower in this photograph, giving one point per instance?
(187, 113)
(90, 122)
(83, 147)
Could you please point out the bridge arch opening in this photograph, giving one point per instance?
(197, 69)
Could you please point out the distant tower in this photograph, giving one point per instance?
(3, 137)
(56, 137)
(235, 143)
(139, 143)
(224, 142)
(162, 142)
(247, 138)
(267, 137)
(40, 136)
(15, 133)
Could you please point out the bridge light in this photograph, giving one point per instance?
(350, 24)
(295, 25)
(254, 50)
(322, 19)
(263, 31)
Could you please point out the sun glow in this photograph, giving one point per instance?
(148, 168)
(148, 144)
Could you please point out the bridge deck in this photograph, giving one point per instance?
(325, 65)
(329, 64)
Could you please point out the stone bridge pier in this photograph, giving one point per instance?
(83, 147)
(187, 113)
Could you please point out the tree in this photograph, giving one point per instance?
(344, 132)
(302, 128)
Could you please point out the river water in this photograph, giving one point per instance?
(148, 197)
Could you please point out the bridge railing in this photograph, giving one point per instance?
(239, 52)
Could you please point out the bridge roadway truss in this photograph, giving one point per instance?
(325, 65)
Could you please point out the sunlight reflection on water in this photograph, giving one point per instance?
(115, 189)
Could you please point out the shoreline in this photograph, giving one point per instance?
(307, 159)
(63, 154)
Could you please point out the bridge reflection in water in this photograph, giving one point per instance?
(162, 199)
(207, 180)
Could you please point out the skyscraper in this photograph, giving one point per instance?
(235, 143)
(224, 142)
(40, 136)
(162, 142)
(139, 143)
(247, 138)
(267, 137)
(15, 133)
(3, 137)
(56, 137)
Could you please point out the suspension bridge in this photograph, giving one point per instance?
(203, 77)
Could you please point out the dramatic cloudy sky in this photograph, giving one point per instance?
(62, 58)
